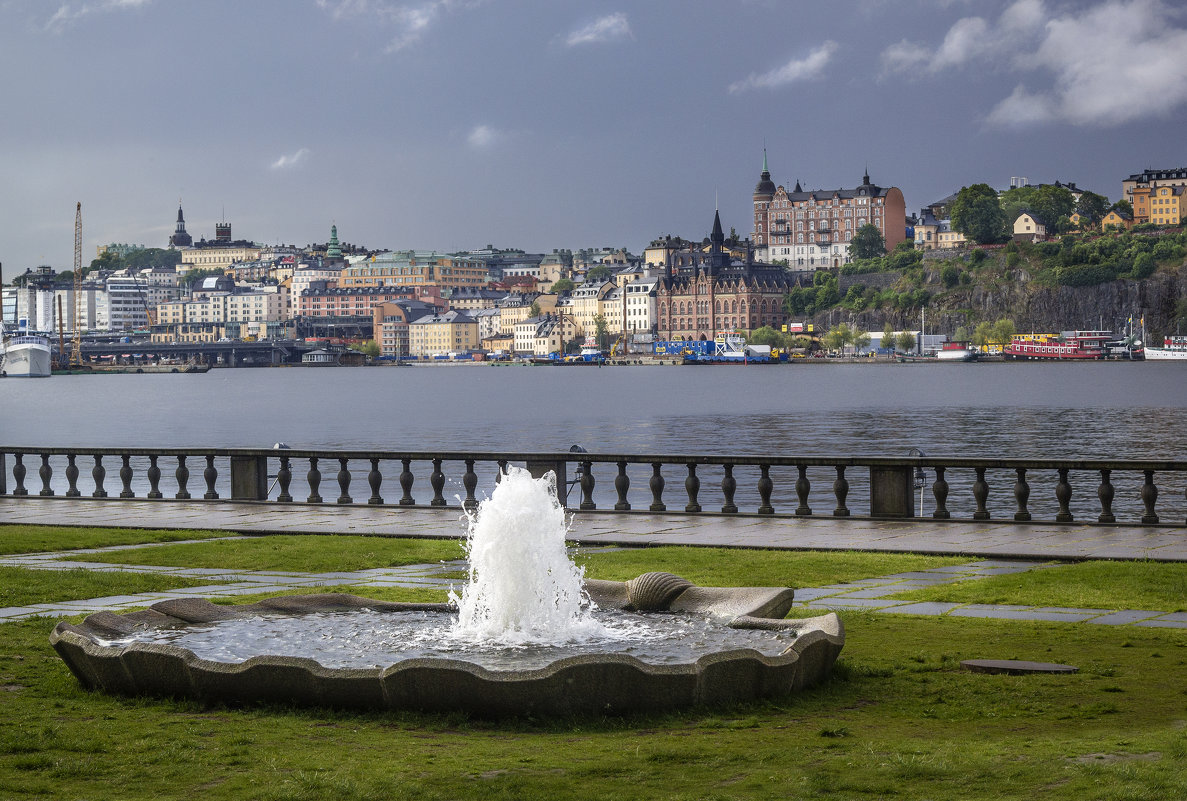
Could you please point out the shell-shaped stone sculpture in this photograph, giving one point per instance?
(654, 592)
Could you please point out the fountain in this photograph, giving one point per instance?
(527, 635)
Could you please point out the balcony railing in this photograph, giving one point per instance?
(931, 488)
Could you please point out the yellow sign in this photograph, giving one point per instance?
(785, 328)
(811, 327)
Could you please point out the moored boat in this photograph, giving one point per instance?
(26, 356)
(956, 351)
(1067, 346)
(1173, 349)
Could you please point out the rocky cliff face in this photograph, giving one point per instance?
(1040, 308)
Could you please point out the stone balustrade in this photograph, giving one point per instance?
(926, 488)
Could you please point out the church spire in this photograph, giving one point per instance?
(333, 251)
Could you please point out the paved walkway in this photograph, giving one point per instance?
(823, 532)
(1027, 548)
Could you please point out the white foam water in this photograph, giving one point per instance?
(523, 587)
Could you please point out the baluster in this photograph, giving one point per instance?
(406, 480)
(1063, 494)
(437, 482)
(587, 486)
(375, 481)
(344, 481)
(1105, 492)
(1021, 494)
(657, 488)
(765, 486)
(72, 477)
(692, 486)
(154, 478)
(126, 476)
(313, 477)
(98, 473)
(841, 490)
(46, 472)
(210, 474)
(470, 482)
(1149, 497)
(940, 490)
(183, 476)
(18, 475)
(980, 494)
(802, 487)
(284, 477)
(729, 485)
(622, 483)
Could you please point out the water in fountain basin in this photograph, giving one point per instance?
(523, 588)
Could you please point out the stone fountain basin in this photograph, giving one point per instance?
(588, 684)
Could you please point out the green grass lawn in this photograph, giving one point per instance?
(721, 567)
(1159, 586)
(899, 719)
(21, 587)
(36, 539)
(299, 552)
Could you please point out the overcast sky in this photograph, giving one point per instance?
(452, 124)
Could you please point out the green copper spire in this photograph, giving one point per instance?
(764, 161)
(333, 251)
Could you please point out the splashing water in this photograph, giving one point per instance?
(523, 589)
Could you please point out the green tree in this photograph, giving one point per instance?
(601, 330)
(1053, 204)
(370, 348)
(888, 337)
(563, 285)
(1003, 332)
(961, 335)
(534, 310)
(906, 341)
(867, 243)
(766, 335)
(599, 272)
(860, 339)
(1092, 208)
(983, 334)
(977, 214)
(838, 337)
(1123, 206)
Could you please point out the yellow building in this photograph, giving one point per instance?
(217, 257)
(440, 334)
(1165, 205)
(1139, 188)
(1117, 218)
(414, 268)
(1029, 228)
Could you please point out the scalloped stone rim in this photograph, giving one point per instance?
(594, 683)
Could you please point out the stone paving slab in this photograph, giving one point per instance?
(1125, 617)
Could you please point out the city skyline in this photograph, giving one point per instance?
(453, 124)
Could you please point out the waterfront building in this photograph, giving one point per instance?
(441, 334)
(589, 301)
(414, 268)
(391, 319)
(307, 272)
(470, 299)
(540, 336)
(1137, 189)
(812, 229)
(321, 300)
(515, 307)
(118, 249)
(488, 320)
(638, 312)
(703, 295)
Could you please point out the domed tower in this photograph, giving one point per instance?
(764, 191)
(180, 238)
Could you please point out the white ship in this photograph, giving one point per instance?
(26, 356)
(1173, 348)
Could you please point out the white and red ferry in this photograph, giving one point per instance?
(1069, 345)
(1173, 348)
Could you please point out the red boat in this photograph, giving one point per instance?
(1069, 345)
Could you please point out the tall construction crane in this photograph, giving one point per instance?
(76, 347)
